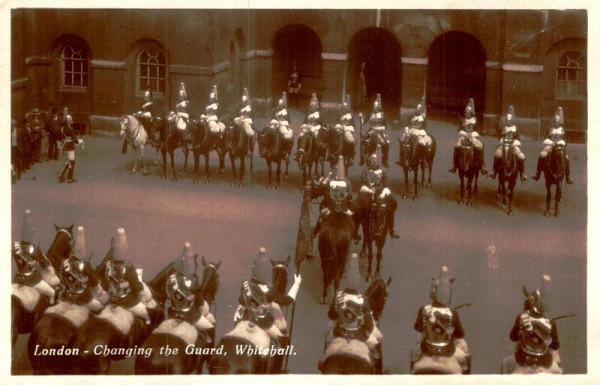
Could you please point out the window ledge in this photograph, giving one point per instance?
(78, 90)
(580, 98)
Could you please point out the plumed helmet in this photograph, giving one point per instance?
(340, 173)
(148, 95)
(373, 161)
(262, 269)
(377, 103)
(541, 297)
(558, 119)
(179, 292)
(245, 97)
(121, 250)
(314, 102)
(421, 108)
(188, 261)
(79, 247)
(347, 104)
(284, 99)
(73, 275)
(35, 112)
(213, 97)
(27, 229)
(66, 114)
(470, 108)
(441, 290)
(182, 92)
(352, 273)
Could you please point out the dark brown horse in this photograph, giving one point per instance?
(413, 155)
(468, 170)
(172, 138)
(507, 176)
(239, 146)
(60, 249)
(193, 347)
(554, 173)
(311, 152)
(271, 149)
(375, 226)
(336, 145)
(203, 142)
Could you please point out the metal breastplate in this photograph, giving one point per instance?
(118, 286)
(180, 294)
(349, 308)
(375, 177)
(26, 264)
(438, 334)
(255, 298)
(313, 118)
(557, 134)
(74, 280)
(537, 340)
(377, 119)
(347, 119)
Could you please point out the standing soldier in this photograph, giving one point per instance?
(377, 126)
(509, 133)
(555, 135)
(244, 119)
(15, 159)
(53, 126)
(35, 127)
(467, 130)
(30, 260)
(294, 86)
(69, 139)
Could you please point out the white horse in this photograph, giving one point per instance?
(136, 135)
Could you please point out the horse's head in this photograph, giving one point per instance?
(378, 217)
(377, 294)
(558, 161)
(210, 280)
(280, 274)
(466, 154)
(61, 246)
(125, 123)
(406, 149)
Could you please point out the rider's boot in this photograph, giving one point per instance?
(522, 170)
(496, 167)
(63, 172)
(454, 161)
(378, 359)
(385, 150)
(568, 171)
(479, 154)
(538, 170)
(70, 178)
(391, 226)
(124, 148)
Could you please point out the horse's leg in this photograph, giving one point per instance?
(163, 151)
(242, 170)
(207, 166)
(548, 197)
(269, 174)
(509, 194)
(143, 155)
(557, 199)
(380, 243)
(196, 165)
(134, 168)
(470, 189)
(286, 174)
(172, 156)
(370, 258)
(422, 184)
(476, 185)
(405, 195)
(278, 174)
(416, 183)
(461, 176)
(186, 152)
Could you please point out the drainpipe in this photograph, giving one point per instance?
(378, 18)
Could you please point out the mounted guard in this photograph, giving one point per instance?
(535, 336)
(467, 131)
(377, 126)
(442, 334)
(555, 136)
(312, 120)
(210, 116)
(180, 115)
(146, 112)
(352, 319)
(244, 119)
(417, 126)
(337, 197)
(281, 124)
(346, 127)
(510, 136)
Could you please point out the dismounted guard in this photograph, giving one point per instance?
(244, 118)
(35, 128)
(30, 260)
(81, 284)
(346, 126)
(467, 130)
(210, 116)
(312, 120)
(375, 186)
(260, 304)
(555, 136)
(53, 126)
(281, 123)
(337, 198)
(122, 282)
(441, 331)
(509, 134)
(185, 299)
(69, 141)
(351, 315)
(377, 125)
(535, 334)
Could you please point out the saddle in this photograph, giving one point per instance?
(252, 333)
(75, 314)
(353, 347)
(28, 296)
(121, 318)
(184, 330)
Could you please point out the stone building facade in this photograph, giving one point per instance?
(98, 62)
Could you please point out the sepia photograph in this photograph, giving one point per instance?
(257, 189)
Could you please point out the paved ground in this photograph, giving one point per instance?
(491, 254)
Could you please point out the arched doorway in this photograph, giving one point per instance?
(455, 73)
(380, 52)
(297, 48)
(237, 78)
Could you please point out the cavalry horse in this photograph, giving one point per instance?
(192, 346)
(336, 145)
(27, 304)
(554, 173)
(468, 170)
(375, 226)
(412, 155)
(251, 336)
(112, 334)
(368, 145)
(507, 175)
(352, 356)
(203, 142)
(271, 149)
(60, 249)
(239, 146)
(172, 136)
(137, 136)
(311, 152)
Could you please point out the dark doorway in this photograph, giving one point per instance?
(455, 73)
(380, 52)
(297, 48)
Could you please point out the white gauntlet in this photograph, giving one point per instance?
(295, 287)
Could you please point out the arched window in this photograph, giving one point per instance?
(571, 75)
(75, 66)
(151, 71)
